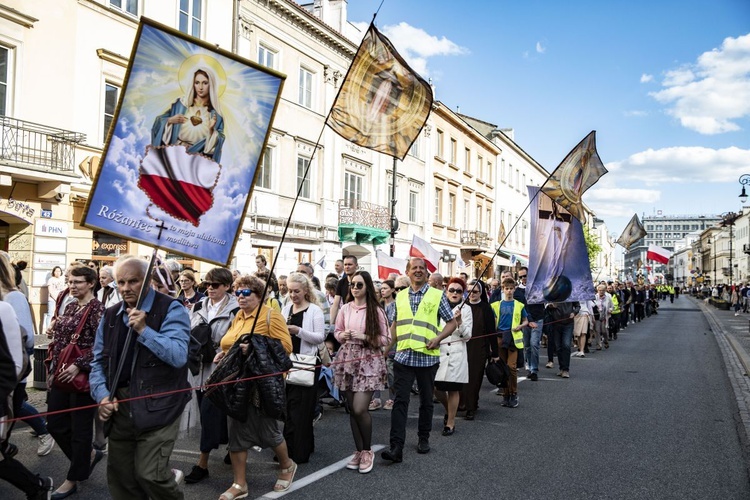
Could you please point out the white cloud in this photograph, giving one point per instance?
(623, 194)
(417, 46)
(712, 94)
(645, 78)
(540, 48)
(681, 165)
(636, 113)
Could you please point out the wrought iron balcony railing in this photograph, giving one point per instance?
(477, 239)
(38, 146)
(362, 213)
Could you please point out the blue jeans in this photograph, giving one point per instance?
(563, 334)
(532, 338)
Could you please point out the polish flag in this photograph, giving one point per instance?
(388, 265)
(658, 254)
(179, 183)
(421, 248)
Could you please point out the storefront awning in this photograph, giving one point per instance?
(362, 234)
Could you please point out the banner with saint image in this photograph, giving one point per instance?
(179, 164)
(559, 268)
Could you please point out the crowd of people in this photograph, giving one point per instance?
(349, 338)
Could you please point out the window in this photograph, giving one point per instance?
(518, 183)
(454, 151)
(302, 181)
(510, 175)
(190, 17)
(515, 231)
(466, 214)
(416, 148)
(480, 167)
(413, 195)
(502, 170)
(353, 189)
(479, 218)
(305, 88)
(467, 160)
(266, 169)
(510, 223)
(303, 256)
(438, 205)
(452, 210)
(4, 80)
(266, 56)
(440, 143)
(490, 179)
(110, 103)
(502, 220)
(129, 6)
(488, 219)
(523, 186)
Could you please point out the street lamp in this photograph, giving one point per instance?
(728, 219)
(713, 251)
(744, 180)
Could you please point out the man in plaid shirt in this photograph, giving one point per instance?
(415, 330)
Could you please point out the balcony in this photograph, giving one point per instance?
(363, 222)
(39, 147)
(474, 239)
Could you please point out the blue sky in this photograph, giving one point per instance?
(666, 85)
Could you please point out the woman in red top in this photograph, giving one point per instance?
(73, 430)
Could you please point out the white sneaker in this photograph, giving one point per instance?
(178, 476)
(46, 443)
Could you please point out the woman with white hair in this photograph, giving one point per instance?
(194, 121)
(108, 294)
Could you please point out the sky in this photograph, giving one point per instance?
(665, 84)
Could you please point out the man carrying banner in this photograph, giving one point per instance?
(143, 431)
(415, 331)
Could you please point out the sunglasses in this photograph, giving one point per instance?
(521, 276)
(475, 290)
(455, 290)
(244, 292)
(358, 285)
(213, 285)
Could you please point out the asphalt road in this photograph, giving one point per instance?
(653, 417)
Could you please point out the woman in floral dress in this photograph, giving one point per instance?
(362, 330)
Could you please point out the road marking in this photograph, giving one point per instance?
(315, 476)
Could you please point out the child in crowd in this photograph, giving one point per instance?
(510, 319)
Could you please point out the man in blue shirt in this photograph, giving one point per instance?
(143, 430)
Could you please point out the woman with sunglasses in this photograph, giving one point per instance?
(259, 429)
(362, 330)
(188, 294)
(478, 348)
(306, 324)
(453, 372)
(217, 310)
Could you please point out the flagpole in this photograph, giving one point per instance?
(394, 220)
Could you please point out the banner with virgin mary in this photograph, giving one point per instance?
(559, 267)
(179, 164)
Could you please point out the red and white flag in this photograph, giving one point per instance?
(388, 265)
(179, 183)
(421, 248)
(658, 254)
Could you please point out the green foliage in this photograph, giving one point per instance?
(592, 245)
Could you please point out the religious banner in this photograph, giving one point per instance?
(180, 161)
(578, 171)
(633, 232)
(559, 268)
(382, 104)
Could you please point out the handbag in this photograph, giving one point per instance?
(68, 356)
(497, 372)
(303, 370)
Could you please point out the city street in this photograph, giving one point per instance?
(654, 416)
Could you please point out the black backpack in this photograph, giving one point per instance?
(202, 348)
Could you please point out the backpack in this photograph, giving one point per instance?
(202, 348)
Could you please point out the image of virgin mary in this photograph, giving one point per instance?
(194, 121)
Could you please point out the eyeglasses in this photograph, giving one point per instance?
(244, 292)
(77, 282)
(399, 288)
(455, 290)
(358, 285)
(521, 276)
(213, 285)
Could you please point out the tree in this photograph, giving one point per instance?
(592, 245)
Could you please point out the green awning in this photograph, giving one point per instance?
(363, 234)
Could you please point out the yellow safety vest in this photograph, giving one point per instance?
(615, 304)
(517, 308)
(414, 331)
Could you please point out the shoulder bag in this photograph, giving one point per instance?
(68, 356)
(303, 368)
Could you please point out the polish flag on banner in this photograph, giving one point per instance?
(421, 248)
(388, 265)
(658, 254)
(179, 183)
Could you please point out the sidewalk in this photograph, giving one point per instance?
(733, 336)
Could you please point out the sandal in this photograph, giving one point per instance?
(227, 495)
(283, 485)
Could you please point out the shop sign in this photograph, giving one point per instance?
(17, 208)
(50, 245)
(103, 245)
(48, 260)
(51, 228)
